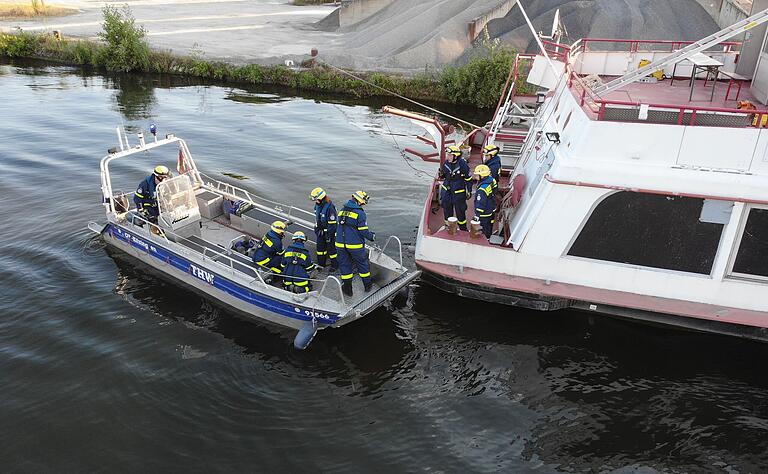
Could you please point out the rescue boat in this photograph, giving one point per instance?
(632, 186)
(195, 240)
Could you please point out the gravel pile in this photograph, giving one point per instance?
(411, 34)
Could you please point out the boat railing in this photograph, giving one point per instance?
(240, 193)
(320, 293)
(386, 244)
(624, 111)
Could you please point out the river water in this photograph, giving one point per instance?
(106, 367)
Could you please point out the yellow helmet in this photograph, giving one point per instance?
(453, 150)
(317, 194)
(482, 171)
(279, 227)
(161, 172)
(299, 235)
(361, 197)
(490, 150)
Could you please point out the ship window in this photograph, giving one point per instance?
(650, 230)
(752, 257)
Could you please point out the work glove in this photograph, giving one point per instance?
(373, 236)
(469, 196)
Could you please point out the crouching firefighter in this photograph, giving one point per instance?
(485, 202)
(269, 253)
(456, 187)
(296, 265)
(351, 233)
(325, 228)
(145, 196)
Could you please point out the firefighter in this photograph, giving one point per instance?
(351, 233)
(492, 160)
(485, 204)
(296, 265)
(269, 252)
(325, 228)
(456, 188)
(145, 196)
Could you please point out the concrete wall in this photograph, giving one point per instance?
(354, 11)
(726, 12)
(476, 26)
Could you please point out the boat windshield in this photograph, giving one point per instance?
(176, 200)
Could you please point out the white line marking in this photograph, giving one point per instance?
(205, 30)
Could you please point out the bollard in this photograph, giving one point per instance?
(452, 224)
(475, 229)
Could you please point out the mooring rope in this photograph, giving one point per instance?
(397, 95)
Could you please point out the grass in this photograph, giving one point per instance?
(33, 9)
(123, 47)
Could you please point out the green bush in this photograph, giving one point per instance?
(125, 47)
(481, 80)
(21, 44)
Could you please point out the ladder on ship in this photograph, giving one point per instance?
(684, 53)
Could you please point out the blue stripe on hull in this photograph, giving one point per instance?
(207, 275)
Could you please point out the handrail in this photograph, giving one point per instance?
(233, 191)
(682, 109)
(507, 96)
(322, 290)
(634, 44)
(399, 247)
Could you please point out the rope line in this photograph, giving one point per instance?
(398, 95)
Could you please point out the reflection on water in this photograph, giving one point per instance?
(106, 364)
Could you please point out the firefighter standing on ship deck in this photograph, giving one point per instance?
(296, 265)
(325, 228)
(492, 160)
(456, 188)
(485, 203)
(351, 233)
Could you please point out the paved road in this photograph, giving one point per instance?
(234, 30)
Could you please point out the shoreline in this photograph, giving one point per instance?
(435, 86)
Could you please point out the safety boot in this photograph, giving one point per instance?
(368, 286)
(346, 288)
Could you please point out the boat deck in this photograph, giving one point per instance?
(436, 220)
(216, 235)
(678, 93)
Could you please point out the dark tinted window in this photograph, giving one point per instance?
(752, 258)
(650, 230)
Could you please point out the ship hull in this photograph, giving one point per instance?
(552, 296)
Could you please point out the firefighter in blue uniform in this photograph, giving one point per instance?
(325, 228)
(485, 203)
(492, 160)
(456, 187)
(351, 233)
(145, 196)
(296, 265)
(269, 253)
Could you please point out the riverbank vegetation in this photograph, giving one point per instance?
(32, 9)
(123, 47)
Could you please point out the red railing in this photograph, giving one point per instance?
(634, 44)
(558, 51)
(757, 118)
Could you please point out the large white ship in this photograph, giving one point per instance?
(638, 189)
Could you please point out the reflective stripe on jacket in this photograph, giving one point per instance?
(485, 203)
(456, 177)
(296, 265)
(352, 230)
(325, 218)
(146, 194)
(270, 246)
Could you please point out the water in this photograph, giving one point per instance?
(106, 367)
